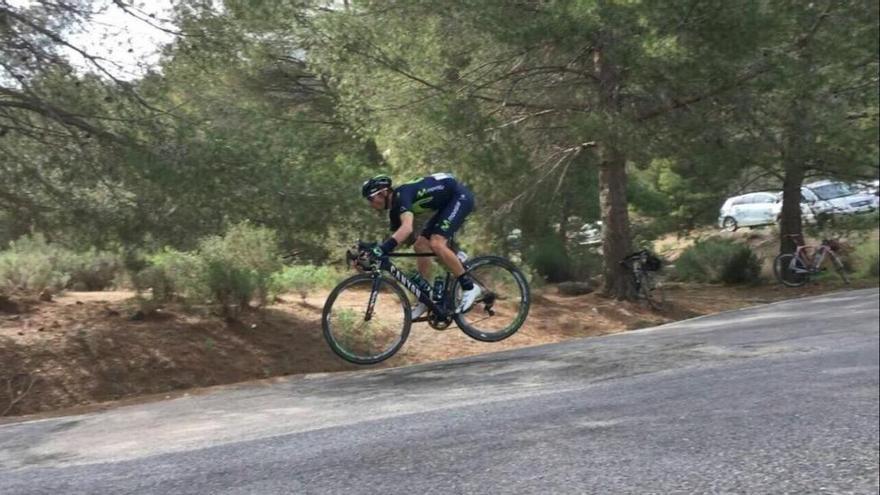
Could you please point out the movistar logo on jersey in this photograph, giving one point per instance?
(446, 225)
(429, 190)
(419, 205)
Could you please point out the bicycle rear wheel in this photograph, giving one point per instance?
(503, 306)
(790, 271)
(651, 290)
(840, 268)
(359, 337)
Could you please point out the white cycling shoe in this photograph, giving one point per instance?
(468, 298)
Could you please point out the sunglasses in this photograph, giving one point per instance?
(373, 194)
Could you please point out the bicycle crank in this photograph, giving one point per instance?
(439, 324)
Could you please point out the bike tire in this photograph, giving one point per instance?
(840, 269)
(652, 292)
(515, 293)
(351, 343)
(782, 269)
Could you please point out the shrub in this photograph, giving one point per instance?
(304, 278)
(866, 258)
(240, 264)
(549, 258)
(173, 273)
(718, 260)
(837, 226)
(93, 270)
(231, 270)
(33, 264)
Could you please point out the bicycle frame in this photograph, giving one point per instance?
(813, 265)
(403, 280)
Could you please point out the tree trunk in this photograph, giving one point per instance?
(615, 224)
(790, 223)
(796, 154)
(612, 185)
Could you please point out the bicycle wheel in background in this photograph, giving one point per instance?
(651, 290)
(503, 306)
(840, 268)
(361, 338)
(790, 270)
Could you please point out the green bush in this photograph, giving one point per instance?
(549, 258)
(239, 265)
(844, 225)
(174, 274)
(231, 271)
(718, 261)
(866, 259)
(304, 278)
(94, 270)
(33, 264)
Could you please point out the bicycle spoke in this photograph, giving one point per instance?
(355, 337)
(503, 306)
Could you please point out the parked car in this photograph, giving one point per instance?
(834, 197)
(754, 209)
(590, 234)
(749, 210)
(871, 187)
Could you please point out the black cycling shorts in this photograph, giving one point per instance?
(450, 218)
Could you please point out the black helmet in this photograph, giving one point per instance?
(375, 184)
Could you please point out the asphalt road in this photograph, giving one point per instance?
(782, 398)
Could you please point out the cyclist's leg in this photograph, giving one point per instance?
(445, 224)
(423, 245)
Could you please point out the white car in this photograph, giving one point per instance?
(590, 234)
(759, 208)
(833, 197)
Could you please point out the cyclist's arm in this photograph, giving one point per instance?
(405, 229)
(399, 235)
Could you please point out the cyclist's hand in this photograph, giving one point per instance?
(351, 256)
(371, 249)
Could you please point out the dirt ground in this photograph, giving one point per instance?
(83, 349)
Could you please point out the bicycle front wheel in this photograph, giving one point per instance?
(790, 270)
(502, 307)
(366, 319)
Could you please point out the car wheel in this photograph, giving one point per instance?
(729, 224)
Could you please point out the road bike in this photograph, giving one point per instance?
(367, 317)
(795, 269)
(643, 267)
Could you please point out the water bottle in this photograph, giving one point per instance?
(462, 256)
(439, 283)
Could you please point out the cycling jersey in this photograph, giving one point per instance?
(441, 193)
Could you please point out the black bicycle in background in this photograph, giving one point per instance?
(644, 267)
(367, 317)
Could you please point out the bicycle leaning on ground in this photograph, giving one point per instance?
(795, 269)
(367, 317)
(643, 267)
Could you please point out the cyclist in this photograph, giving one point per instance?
(449, 199)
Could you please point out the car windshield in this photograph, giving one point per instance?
(832, 191)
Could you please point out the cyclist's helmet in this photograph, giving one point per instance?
(375, 184)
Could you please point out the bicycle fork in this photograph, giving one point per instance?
(374, 294)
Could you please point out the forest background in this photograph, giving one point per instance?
(250, 133)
